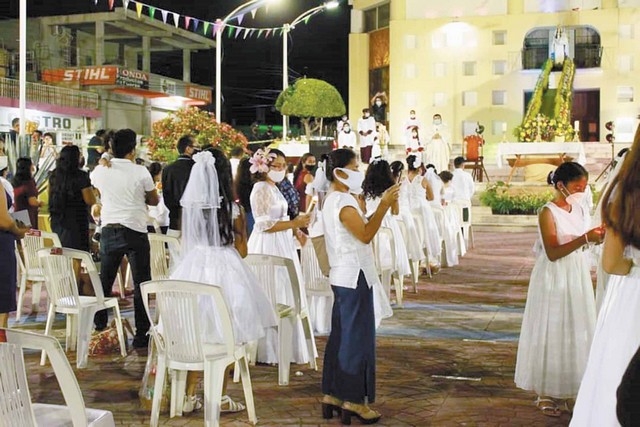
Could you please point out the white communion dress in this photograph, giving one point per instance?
(431, 237)
(615, 341)
(269, 206)
(401, 257)
(415, 249)
(559, 316)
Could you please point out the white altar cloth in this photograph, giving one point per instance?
(516, 149)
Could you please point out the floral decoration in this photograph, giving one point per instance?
(260, 161)
(198, 123)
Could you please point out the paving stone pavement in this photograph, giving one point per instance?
(446, 359)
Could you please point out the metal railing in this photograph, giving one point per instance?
(53, 95)
(585, 56)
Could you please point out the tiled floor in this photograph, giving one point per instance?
(446, 359)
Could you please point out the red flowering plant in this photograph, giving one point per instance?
(198, 123)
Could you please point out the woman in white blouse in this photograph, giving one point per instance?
(348, 377)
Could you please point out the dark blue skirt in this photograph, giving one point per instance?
(8, 273)
(349, 371)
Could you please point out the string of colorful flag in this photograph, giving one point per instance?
(193, 24)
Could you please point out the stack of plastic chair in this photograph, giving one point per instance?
(467, 228)
(62, 288)
(16, 408)
(31, 271)
(319, 293)
(181, 347)
(385, 257)
(287, 303)
(415, 264)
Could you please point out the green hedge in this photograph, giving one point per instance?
(504, 199)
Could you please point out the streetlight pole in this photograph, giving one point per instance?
(286, 28)
(240, 10)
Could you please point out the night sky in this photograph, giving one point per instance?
(252, 68)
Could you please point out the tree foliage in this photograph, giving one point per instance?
(311, 100)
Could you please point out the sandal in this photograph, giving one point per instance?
(331, 404)
(228, 405)
(548, 406)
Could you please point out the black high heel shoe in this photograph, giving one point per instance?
(330, 405)
(365, 414)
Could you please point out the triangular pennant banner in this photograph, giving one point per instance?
(139, 9)
(237, 32)
(176, 18)
(110, 4)
(95, 2)
(164, 15)
(230, 32)
(306, 20)
(251, 32)
(206, 27)
(268, 32)
(253, 13)
(187, 21)
(217, 26)
(195, 24)
(240, 18)
(260, 33)
(152, 12)
(246, 33)
(124, 2)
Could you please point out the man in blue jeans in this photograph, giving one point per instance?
(125, 191)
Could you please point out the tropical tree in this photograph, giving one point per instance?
(311, 100)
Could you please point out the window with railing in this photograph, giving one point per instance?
(46, 94)
(584, 46)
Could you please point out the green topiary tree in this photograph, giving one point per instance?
(311, 100)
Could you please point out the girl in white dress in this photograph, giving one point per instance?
(213, 240)
(376, 181)
(559, 316)
(273, 234)
(419, 194)
(413, 242)
(617, 335)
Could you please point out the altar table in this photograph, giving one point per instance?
(557, 151)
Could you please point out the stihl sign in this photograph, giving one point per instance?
(91, 76)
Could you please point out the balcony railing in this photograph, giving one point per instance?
(586, 56)
(54, 95)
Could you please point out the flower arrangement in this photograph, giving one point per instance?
(201, 124)
(260, 161)
(506, 200)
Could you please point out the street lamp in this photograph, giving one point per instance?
(285, 47)
(240, 10)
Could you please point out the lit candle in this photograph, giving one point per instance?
(576, 124)
(504, 127)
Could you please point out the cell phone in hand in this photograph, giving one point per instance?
(312, 205)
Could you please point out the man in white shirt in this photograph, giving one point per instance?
(346, 137)
(366, 129)
(462, 181)
(125, 191)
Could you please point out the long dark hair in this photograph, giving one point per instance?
(567, 172)
(300, 165)
(244, 184)
(23, 172)
(621, 202)
(396, 168)
(413, 163)
(377, 179)
(225, 212)
(338, 159)
(63, 178)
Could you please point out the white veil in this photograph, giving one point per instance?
(200, 202)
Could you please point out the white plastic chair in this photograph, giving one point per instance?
(418, 220)
(384, 237)
(181, 347)
(80, 310)
(31, 270)
(16, 408)
(265, 267)
(414, 264)
(318, 289)
(163, 248)
(467, 229)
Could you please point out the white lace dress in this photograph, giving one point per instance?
(615, 341)
(559, 316)
(401, 258)
(269, 206)
(415, 249)
(447, 220)
(251, 312)
(431, 237)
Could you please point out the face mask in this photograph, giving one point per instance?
(378, 103)
(344, 119)
(366, 115)
(415, 136)
(276, 176)
(412, 117)
(347, 129)
(353, 180)
(310, 168)
(437, 121)
(572, 198)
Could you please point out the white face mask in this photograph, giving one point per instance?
(276, 176)
(378, 103)
(347, 129)
(366, 115)
(353, 180)
(437, 122)
(572, 198)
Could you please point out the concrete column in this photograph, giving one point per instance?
(186, 65)
(358, 76)
(357, 21)
(146, 54)
(99, 54)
